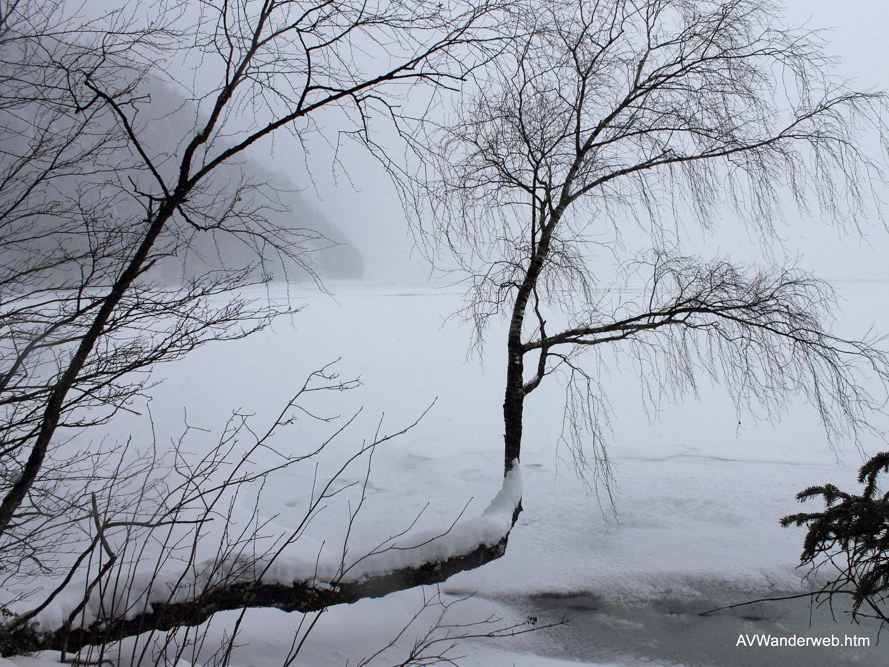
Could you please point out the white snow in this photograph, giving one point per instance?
(411, 550)
(698, 496)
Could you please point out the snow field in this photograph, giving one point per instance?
(698, 491)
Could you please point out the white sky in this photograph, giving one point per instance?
(368, 211)
(372, 216)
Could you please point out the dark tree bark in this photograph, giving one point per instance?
(300, 596)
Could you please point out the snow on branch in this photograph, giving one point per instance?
(167, 601)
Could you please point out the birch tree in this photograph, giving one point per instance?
(655, 115)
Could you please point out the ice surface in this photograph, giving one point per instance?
(698, 493)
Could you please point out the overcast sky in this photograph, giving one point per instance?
(857, 34)
(372, 217)
(368, 211)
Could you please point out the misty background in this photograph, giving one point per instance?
(331, 184)
(364, 206)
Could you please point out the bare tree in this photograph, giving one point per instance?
(283, 62)
(167, 550)
(59, 246)
(95, 201)
(654, 115)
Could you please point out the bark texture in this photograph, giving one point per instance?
(300, 596)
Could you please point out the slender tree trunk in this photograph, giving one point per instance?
(56, 401)
(514, 400)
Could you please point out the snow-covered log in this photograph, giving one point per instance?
(169, 602)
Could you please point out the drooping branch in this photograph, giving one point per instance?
(686, 293)
(763, 333)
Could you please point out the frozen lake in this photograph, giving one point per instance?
(698, 491)
(673, 631)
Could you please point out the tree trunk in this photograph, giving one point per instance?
(514, 400)
(52, 414)
(513, 404)
(298, 596)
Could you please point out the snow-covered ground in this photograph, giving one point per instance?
(698, 493)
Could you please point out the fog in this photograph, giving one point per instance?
(339, 181)
(700, 483)
(364, 204)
